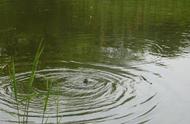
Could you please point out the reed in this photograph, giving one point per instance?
(35, 64)
(27, 100)
(13, 79)
(12, 75)
(14, 83)
(49, 86)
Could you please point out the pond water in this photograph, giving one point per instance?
(134, 54)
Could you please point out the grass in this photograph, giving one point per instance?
(49, 86)
(35, 64)
(27, 99)
(14, 85)
(27, 104)
(13, 78)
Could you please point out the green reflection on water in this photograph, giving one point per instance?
(113, 32)
(91, 30)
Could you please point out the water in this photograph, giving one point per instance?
(134, 54)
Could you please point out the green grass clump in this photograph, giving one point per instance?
(27, 99)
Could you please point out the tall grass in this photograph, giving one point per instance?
(14, 83)
(27, 100)
(13, 79)
(35, 64)
(49, 86)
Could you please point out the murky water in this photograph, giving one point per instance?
(133, 53)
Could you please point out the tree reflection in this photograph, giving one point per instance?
(92, 30)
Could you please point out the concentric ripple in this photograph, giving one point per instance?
(111, 95)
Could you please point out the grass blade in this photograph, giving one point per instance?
(13, 79)
(35, 64)
(12, 74)
(49, 86)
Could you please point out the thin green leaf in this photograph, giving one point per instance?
(49, 86)
(35, 63)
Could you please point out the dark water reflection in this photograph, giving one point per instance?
(134, 53)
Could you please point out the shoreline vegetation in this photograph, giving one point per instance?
(27, 98)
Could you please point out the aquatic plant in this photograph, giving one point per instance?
(27, 99)
(35, 64)
(13, 79)
(49, 86)
(12, 75)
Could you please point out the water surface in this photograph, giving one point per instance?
(134, 53)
